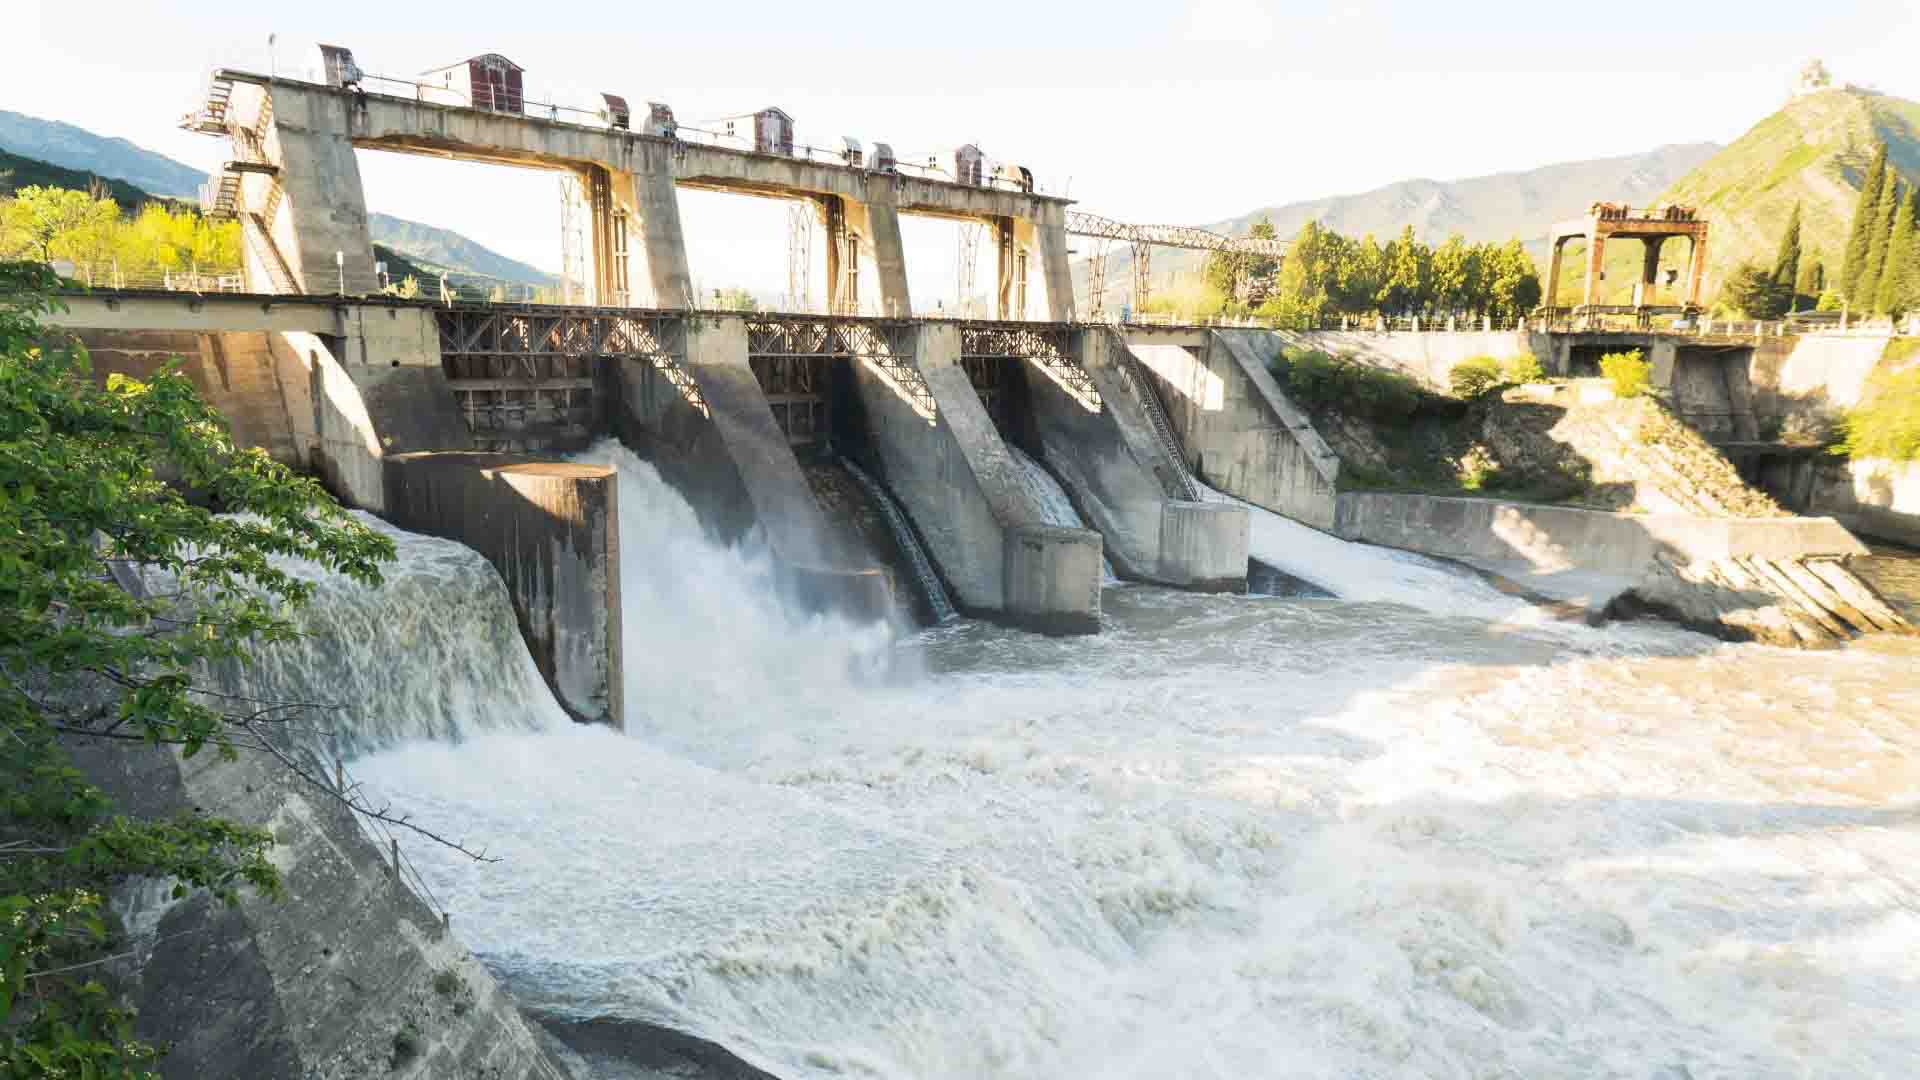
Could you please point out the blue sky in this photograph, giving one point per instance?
(1177, 112)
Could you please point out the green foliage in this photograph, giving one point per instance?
(1320, 381)
(1812, 279)
(18, 172)
(1474, 376)
(82, 657)
(1892, 194)
(1886, 424)
(1242, 277)
(1756, 293)
(1523, 368)
(1786, 263)
(1629, 373)
(1326, 275)
(1891, 297)
(87, 228)
(1830, 301)
(1866, 213)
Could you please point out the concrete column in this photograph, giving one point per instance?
(1004, 244)
(318, 207)
(942, 458)
(1052, 241)
(1121, 477)
(1553, 269)
(1697, 271)
(654, 231)
(815, 570)
(1596, 263)
(889, 254)
(1650, 264)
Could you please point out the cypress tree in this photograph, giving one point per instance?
(1907, 296)
(1786, 264)
(1866, 211)
(1892, 194)
(1808, 281)
(1890, 297)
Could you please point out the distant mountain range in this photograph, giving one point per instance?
(54, 153)
(73, 147)
(1492, 208)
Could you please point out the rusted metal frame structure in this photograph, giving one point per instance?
(791, 357)
(1144, 237)
(532, 371)
(1653, 227)
(985, 349)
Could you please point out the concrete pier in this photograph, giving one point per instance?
(1122, 477)
(1239, 430)
(552, 531)
(942, 458)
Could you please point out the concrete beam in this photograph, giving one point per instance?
(197, 313)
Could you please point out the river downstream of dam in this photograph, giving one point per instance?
(1428, 832)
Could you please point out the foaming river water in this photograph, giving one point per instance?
(1227, 837)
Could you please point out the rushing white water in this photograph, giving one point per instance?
(1363, 572)
(432, 653)
(1047, 494)
(1228, 837)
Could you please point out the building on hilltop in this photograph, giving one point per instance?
(1812, 79)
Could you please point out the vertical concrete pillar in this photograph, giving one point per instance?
(1650, 265)
(942, 458)
(654, 230)
(1051, 238)
(315, 208)
(1697, 270)
(889, 253)
(1005, 263)
(1553, 269)
(1596, 264)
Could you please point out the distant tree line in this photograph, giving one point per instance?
(89, 229)
(1880, 274)
(1326, 275)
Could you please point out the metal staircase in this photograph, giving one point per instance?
(1141, 381)
(210, 118)
(260, 241)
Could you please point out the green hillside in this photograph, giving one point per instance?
(1813, 151)
(17, 172)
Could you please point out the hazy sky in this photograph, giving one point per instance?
(1173, 112)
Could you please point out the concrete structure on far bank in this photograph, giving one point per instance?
(1653, 227)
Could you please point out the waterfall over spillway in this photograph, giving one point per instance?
(935, 593)
(703, 631)
(1055, 506)
(433, 653)
(1366, 573)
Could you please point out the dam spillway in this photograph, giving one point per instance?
(1378, 838)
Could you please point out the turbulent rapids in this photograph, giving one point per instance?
(1406, 832)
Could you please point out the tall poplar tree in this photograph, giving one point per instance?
(1786, 264)
(1812, 276)
(1866, 212)
(1898, 277)
(1892, 194)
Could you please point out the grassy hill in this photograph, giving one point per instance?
(437, 248)
(1814, 151)
(1495, 207)
(17, 172)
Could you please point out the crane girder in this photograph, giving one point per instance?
(1180, 236)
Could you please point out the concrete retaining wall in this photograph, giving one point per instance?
(236, 373)
(1874, 496)
(552, 531)
(1123, 480)
(1239, 431)
(941, 457)
(1429, 356)
(1560, 537)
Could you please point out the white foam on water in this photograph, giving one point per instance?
(1228, 837)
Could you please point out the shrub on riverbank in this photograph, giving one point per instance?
(1886, 423)
(1628, 372)
(1318, 380)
